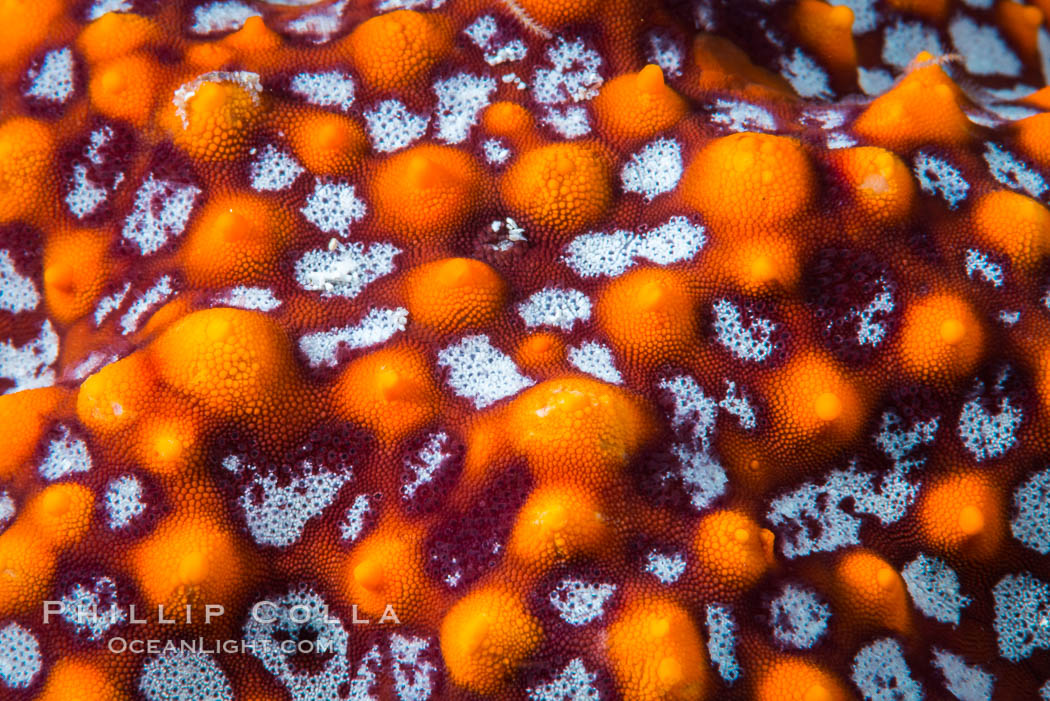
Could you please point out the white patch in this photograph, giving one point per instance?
(333, 207)
(1007, 318)
(721, 641)
(93, 611)
(1011, 171)
(654, 170)
(259, 298)
(223, 16)
(412, 673)
(29, 366)
(1031, 525)
(274, 170)
(123, 501)
(555, 306)
(392, 127)
(94, 362)
(495, 152)
(982, 47)
(799, 619)
(246, 80)
(388, 5)
(17, 293)
(322, 348)
(101, 7)
(977, 262)
(276, 515)
(906, 39)
(934, 588)
(328, 89)
(480, 372)
(596, 360)
(515, 234)
(53, 81)
(666, 568)
(742, 116)
(321, 24)
(346, 270)
(159, 214)
(989, 435)
(1043, 45)
(572, 76)
(665, 52)
(865, 14)
(695, 414)
(84, 195)
(1022, 615)
(751, 342)
(964, 682)
(65, 455)
(425, 464)
(570, 122)
(149, 299)
(573, 683)
(578, 602)
(882, 674)
(110, 303)
(874, 81)
(898, 443)
(354, 522)
(937, 175)
(594, 254)
(869, 331)
(482, 33)
(1010, 113)
(20, 659)
(180, 674)
(805, 75)
(7, 509)
(459, 101)
(837, 139)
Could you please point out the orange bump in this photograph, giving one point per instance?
(870, 593)
(649, 315)
(827, 31)
(328, 144)
(880, 183)
(113, 399)
(812, 397)
(386, 569)
(455, 294)
(941, 338)
(638, 105)
(732, 552)
(538, 350)
(80, 679)
(796, 679)
(214, 122)
(558, 523)
(1033, 137)
(124, 88)
(26, 167)
(749, 178)
(552, 14)
(963, 514)
(75, 266)
(116, 34)
(24, 414)
(1014, 225)
(486, 637)
(24, 25)
(656, 652)
(561, 188)
(398, 49)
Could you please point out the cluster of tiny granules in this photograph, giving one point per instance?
(555, 350)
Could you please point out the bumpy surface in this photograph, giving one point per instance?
(535, 349)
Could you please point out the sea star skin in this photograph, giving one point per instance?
(586, 350)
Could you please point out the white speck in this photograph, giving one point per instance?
(520, 84)
(459, 100)
(258, 298)
(596, 360)
(274, 169)
(177, 674)
(572, 76)
(571, 121)
(937, 175)
(654, 170)
(555, 306)
(110, 303)
(328, 89)
(573, 683)
(480, 372)
(751, 342)
(276, 515)
(934, 588)
(123, 501)
(346, 270)
(20, 659)
(495, 152)
(333, 206)
(1022, 613)
(665, 52)
(742, 116)
(578, 602)
(160, 291)
(354, 522)
(392, 127)
(17, 293)
(798, 617)
(964, 682)
(882, 674)
(983, 49)
(977, 262)
(1011, 171)
(595, 254)
(29, 365)
(906, 39)
(65, 456)
(805, 75)
(1031, 525)
(1008, 318)
(322, 348)
(666, 568)
(82, 607)
(159, 214)
(721, 641)
(246, 80)
(223, 16)
(53, 80)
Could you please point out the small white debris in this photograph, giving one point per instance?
(459, 101)
(392, 127)
(346, 270)
(65, 456)
(480, 372)
(29, 365)
(149, 299)
(333, 207)
(159, 214)
(322, 348)
(578, 602)
(596, 360)
(222, 16)
(982, 47)
(17, 293)
(654, 170)
(555, 306)
(934, 588)
(123, 501)
(259, 298)
(20, 659)
(53, 80)
(666, 568)
(274, 170)
(1008, 318)
(329, 89)
(594, 254)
